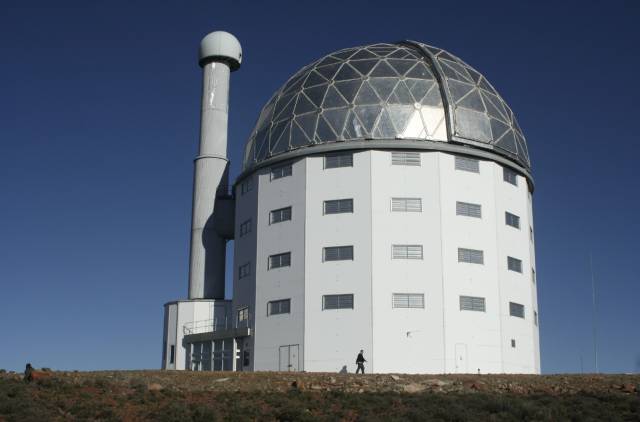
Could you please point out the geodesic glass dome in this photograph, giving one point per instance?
(402, 91)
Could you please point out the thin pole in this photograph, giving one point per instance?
(593, 297)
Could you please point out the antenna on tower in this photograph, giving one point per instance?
(593, 297)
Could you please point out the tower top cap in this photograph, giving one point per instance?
(220, 46)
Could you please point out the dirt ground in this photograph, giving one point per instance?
(179, 396)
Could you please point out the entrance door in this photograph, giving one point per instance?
(288, 358)
(461, 358)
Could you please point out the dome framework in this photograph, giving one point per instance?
(405, 91)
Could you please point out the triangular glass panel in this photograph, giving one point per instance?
(328, 71)
(316, 94)
(344, 54)
(383, 86)
(508, 142)
(419, 71)
(363, 66)
(282, 144)
(324, 133)
(336, 118)
(353, 128)
(314, 79)
(262, 150)
(474, 74)
(472, 101)
(298, 137)
(401, 66)
(401, 94)
(400, 115)
(304, 105)
(333, 99)
(265, 115)
(286, 110)
(349, 89)
(327, 60)
(494, 107)
(363, 53)
(383, 70)
(486, 86)
(262, 138)
(367, 95)
(384, 127)
(450, 73)
(461, 70)
(294, 84)
(368, 115)
(400, 53)
(307, 123)
(418, 88)
(276, 133)
(459, 89)
(433, 50)
(444, 55)
(522, 147)
(346, 72)
(498, 128)
(433, 97)
(382, 51)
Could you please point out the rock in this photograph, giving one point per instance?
(395, 377)
(332, 380)
(297, 385)
(414, 388)
(628, 388)
(316, 387)
(222, 379)
(436, 382)
(154, 386)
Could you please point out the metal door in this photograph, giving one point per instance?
(288, 358)
(461, 358)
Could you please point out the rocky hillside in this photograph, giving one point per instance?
(157, 395)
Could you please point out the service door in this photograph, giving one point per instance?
(461, 358)
(288, 358)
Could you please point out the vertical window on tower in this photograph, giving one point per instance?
(531, 233)
(338, 206)
(468, 210)
(245, 227)
(406, 204)
(535, 318)
(338, 253)
(172, 354)
(467, 164)
(471, 256)
(338, 160)
(282, 171)
(246, 185)
(280, 215)
(511, 220)
(405, 158)
(510, 176)
(280, 260)
(514, 264)
(243, 316)
(516, 310)
(513, 343)
(244, 270)
(406, 252)
(533, 276)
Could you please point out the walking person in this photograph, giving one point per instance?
(360, 360)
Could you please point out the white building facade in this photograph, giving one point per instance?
(385, 205)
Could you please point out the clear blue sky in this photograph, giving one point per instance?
(99, 123)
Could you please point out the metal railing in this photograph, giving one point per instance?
(213, 325)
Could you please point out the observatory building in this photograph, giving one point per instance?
(384, 204)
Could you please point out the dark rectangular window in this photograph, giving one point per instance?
(280, 215)
(511, 220)
(244, 270)
(280, 260)
(405, 158)
(246, 186)
(172, 354)
(243, 315)
(338, 253)
(337, 301)
(406, 204)
(338, 160)
(533, 275)
(472, 303)
(276, 307)
(510, 176)
(472, 256)
(514, 264)
(468, 210)
(516, 310)
(282, 171)
(408, 300)
(406, 252)
(245, 228)
(535, 317)
(338, 206)
(467, 164)
(513, 343)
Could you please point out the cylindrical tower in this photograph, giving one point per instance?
(220, 54)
